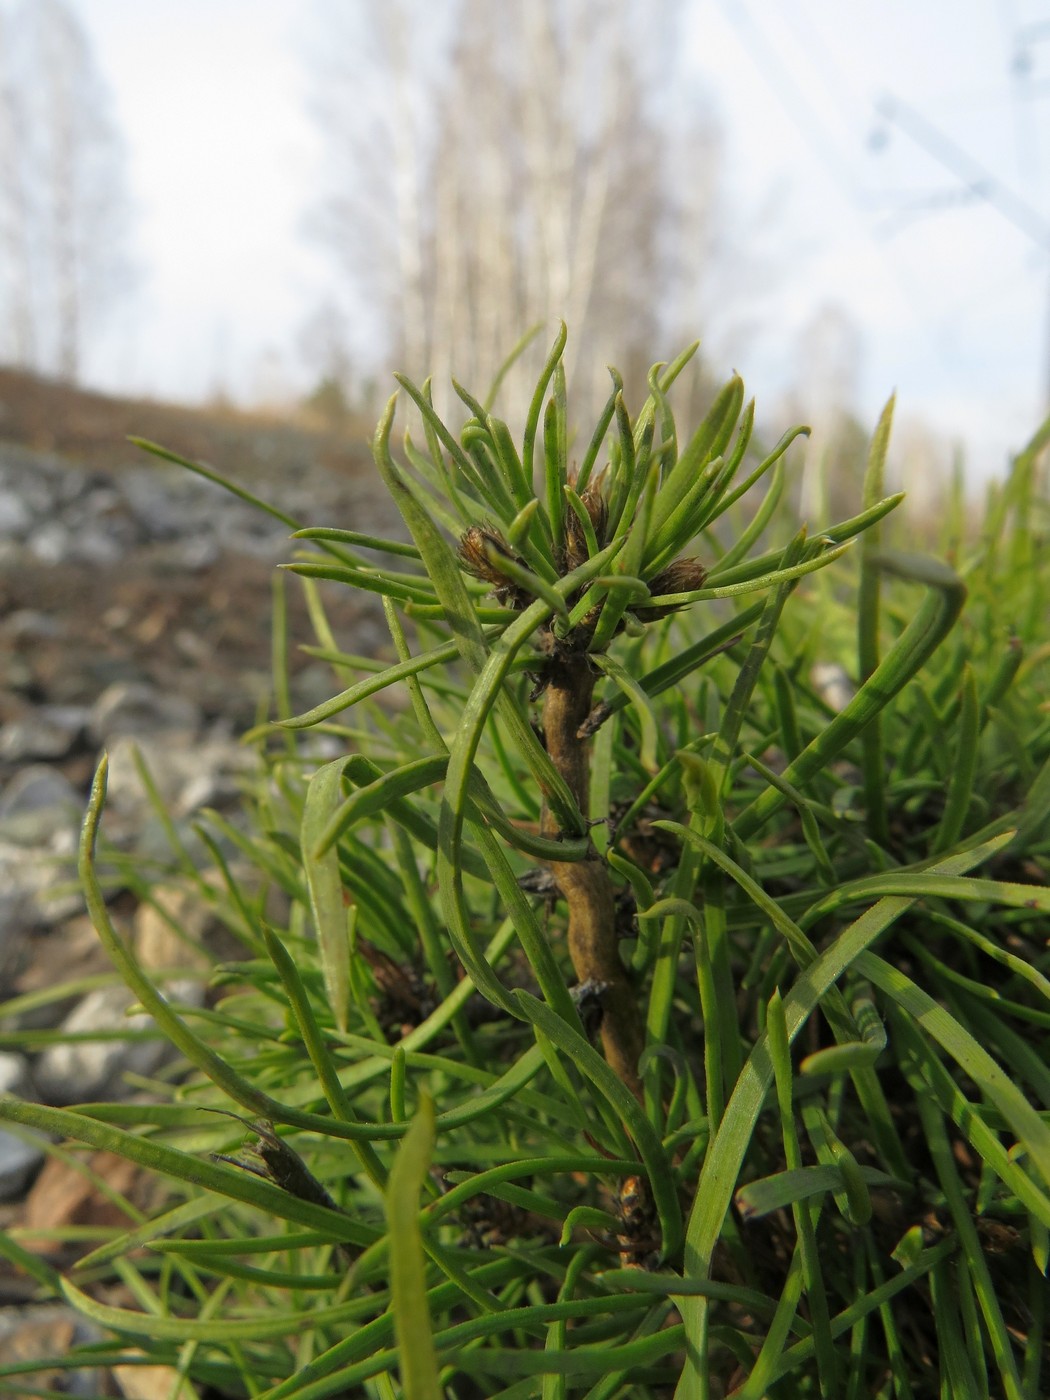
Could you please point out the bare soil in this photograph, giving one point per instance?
(92, 430)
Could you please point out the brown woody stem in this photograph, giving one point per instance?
(585, 885)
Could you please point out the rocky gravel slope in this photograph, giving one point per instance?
(135, 608)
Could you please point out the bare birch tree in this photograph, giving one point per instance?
(63, 206)
(16, 267)
(494, 166)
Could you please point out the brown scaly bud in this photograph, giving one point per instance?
(575, 539)
(683, 576)
(594, 499)
(477, 548)
(575, 542)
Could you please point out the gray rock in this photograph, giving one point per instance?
(19, 675)
(105, 509)
(187, 775)
(49, 963)
(15, 516)
(102, 498)
(38, 802)
(50, 731)
(19, 1162)
(39, 481)
(167, 504)
(195, 554)
(129, 708)
(38, 887)
(92, 1069)
(18, 1159)
(833, 684)
(59, 542)
(30, 625)
(74, 516)
(45, 1333)
(95, 544)
(51, 543)
(39, 818)
(14, 1074)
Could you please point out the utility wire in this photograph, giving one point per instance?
(980, 181)
(983, 185)
(791, 94)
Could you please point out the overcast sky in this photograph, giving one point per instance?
(950, 291)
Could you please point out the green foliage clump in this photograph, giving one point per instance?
(639, 1019)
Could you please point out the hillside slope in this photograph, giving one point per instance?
(114, 566)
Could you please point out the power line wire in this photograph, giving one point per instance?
(980, 181)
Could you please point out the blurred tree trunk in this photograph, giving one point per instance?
(15, 216)
(63, 208)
